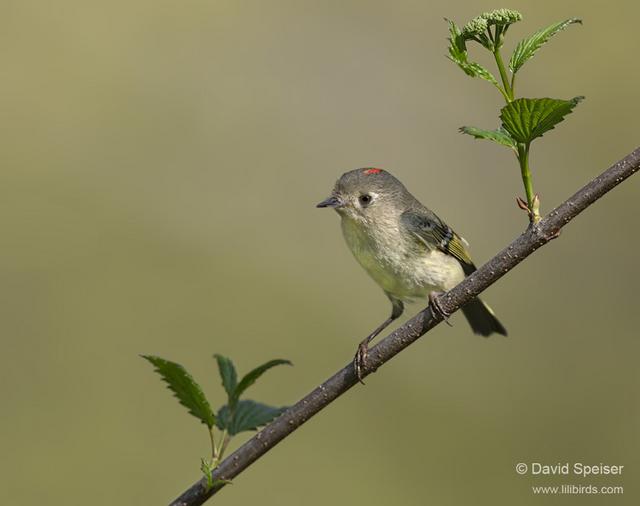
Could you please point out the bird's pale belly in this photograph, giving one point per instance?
(400, 269)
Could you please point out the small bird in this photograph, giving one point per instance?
(404, 247)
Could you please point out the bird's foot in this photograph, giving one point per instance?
(360, 359)
(437, 309)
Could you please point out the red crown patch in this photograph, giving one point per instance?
(373, 171)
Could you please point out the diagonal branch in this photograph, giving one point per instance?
(532, 239)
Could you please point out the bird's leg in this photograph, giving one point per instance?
(437, 309)
(360, 359)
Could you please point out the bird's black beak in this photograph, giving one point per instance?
(332, 201)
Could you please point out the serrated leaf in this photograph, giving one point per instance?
(526, 48)
(227, 374)
(185, 388)
(478, 70)
(457, 48)
(458, 55)
(251, 377)
(475, 70)
(528, 118)
(455, 37)
(248, 415)
(499, 135)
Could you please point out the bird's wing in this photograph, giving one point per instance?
(434, 233)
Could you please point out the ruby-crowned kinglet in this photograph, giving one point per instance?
(405, 248)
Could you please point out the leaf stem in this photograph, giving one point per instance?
(214, 448)
(523, 159)
(503, 75)
(491, 37)
(225, 441)
(503, 92)
(498, 37)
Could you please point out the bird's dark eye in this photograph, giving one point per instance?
(365, 199)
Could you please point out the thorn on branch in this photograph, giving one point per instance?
(534, 211)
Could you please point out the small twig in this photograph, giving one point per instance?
(533, 238)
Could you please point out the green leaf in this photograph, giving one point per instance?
(251, 377)
(248, 415)
(473, 69)
(455, 35)
(526, 48)
(184, 387)
(528, 118)
(457, 47)
(499, 135)
(476, 70)
(458, 55)
(228, 375)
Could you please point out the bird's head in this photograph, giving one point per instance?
(365, 194)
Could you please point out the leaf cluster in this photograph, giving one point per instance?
(524, 119)
(238, 416)
(527, 48)
(489, 30)
(459, 55)
(235, 416)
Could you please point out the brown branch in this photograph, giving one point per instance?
(533, 238)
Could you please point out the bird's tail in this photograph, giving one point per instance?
(482, 319)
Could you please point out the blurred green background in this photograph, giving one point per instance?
(160, 165)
